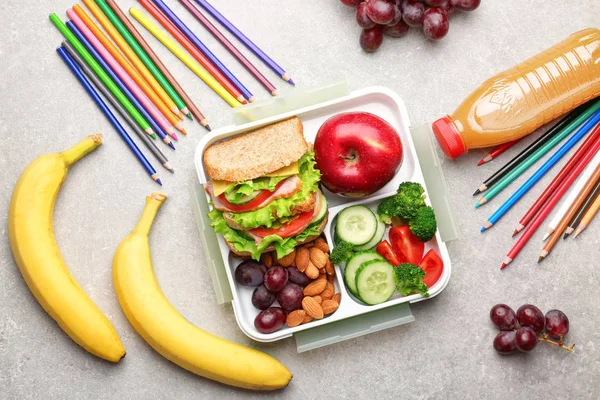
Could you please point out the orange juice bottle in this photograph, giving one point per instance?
(516, 102)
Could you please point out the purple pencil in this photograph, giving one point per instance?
(245, 40)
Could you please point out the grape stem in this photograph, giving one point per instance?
(544, 338)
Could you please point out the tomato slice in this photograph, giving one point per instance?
(385, 250)
(406, 243)
(289, 229)
(252, 204)
(433, 266)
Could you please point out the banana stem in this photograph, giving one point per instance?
(72, 155)
(153, 203)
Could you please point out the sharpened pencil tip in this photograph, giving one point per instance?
(515, 232)
(159, 181)
(477, 205)
(502, 266)
(476, 192)
(565, 236)
(291, 82)
(481, 162)
(171, 145)
(540, 259)
(208, 128)
(153, 136)
(546, 235)
(189, 116)
(483, 229)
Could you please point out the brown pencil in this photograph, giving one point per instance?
(588, 217)
(159, 64)
(587, 189)
(574, 223)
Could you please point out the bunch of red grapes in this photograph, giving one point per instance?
(395, 17)
(520, 330)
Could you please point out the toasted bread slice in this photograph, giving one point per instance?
(271, 248)
(305, 206)
(256, 153)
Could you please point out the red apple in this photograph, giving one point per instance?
(357, 153)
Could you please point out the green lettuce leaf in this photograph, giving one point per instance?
(280, 208)
(236, 192)
(242, 243)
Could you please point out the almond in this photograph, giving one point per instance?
(329, 306)
(322, 271)
(322, 245)
(312, 308)
(317, 257)
(318, 299)
(302, 259)
(329, 268)
(326, 294)
(308, 245)
(337, 298)
(295, 318)
(307, 319)
(287, 260)
(315, 287)
(312, 272)
(331, 287)
(267, 259)
(330, 278)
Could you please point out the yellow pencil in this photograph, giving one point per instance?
(184, 57)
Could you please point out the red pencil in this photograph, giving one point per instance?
(496, 151)
(533, 210)
(554, 199)
(229, 46)
(185, 42)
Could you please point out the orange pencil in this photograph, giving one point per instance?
(137, 63)
(589, 215)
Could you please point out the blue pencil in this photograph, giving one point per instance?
(202, 47)
(581, 132)
(113, 120)
(161, 133)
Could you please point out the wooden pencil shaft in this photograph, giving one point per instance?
(590, 214)
(584, 207)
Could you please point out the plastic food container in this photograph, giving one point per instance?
(420, 164)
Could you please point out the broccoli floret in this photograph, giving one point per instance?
(341, 252)
(409, 279)
(423, 225)
(386, 210)
(409, 199)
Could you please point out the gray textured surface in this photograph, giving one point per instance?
(445, 353)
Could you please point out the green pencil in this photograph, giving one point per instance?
(110, 14)
(515, 173)
(110, 84)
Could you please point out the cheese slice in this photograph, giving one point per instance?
(219, 187)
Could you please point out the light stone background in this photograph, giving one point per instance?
(446, 353)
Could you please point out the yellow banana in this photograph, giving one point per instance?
(169, 333)
(35, 249)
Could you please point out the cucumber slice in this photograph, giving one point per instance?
(376, 239)
(356, 225)
(375, 281)
(244, 199)
(354, 264)
(322, 210)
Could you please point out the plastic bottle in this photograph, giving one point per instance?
(516, 102)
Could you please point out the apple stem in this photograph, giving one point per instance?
(544, 338)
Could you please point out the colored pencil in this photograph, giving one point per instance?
(529, 150)
(133, 73)
(245, 40)
(552, 201)
(587, 189)
(533, 210)
(166, 11)
(118, 74)
(137, 63)
(159, 64)
(570, 199)
(576, 220)
(189, 46)
(539, 153)
(230, 47)
(115, 103)
(496, 151)
(186, 59)
(588, 217)
(109, 115)
(547, 166)
(110, 84)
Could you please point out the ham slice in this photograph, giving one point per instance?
(288, 188)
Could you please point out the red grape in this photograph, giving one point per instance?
(262, 298)
(250, 273)
(380, 11)
(371, 39)
(434, 3)
(290, 297)
(557, 324)
(505, 342)
(362, 18)
(531, 316)
(447, 7)
(526, 339)
(397, 30)
(466, 5)
(397, 14)
(435, 24)
(270, 320)
(503, 317)
(413, 12)
(276, 278)
(297, 277)
(351, 3)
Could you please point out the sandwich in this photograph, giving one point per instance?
(264, 190)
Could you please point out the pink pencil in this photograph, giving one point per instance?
(137, 92)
